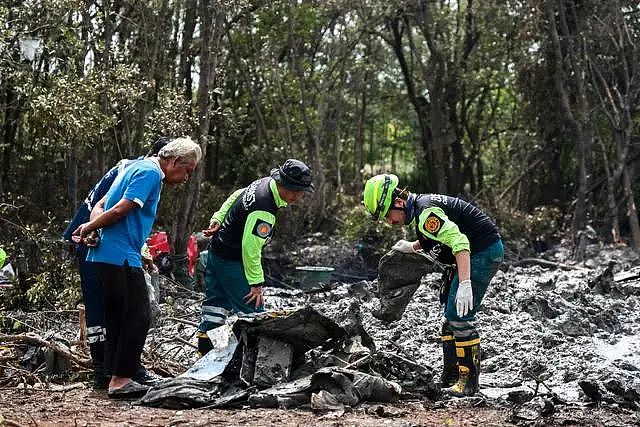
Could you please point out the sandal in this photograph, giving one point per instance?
(130, 390)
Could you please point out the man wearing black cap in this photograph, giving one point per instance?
(239, 230)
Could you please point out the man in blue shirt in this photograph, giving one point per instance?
(124, 217)
(90, 287)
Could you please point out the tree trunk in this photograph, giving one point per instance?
(11, 114)
(611, 198)
(615, 81)
(153, 60)
(439, 128)
(419, 103)
(71, 168)
(632, 212)
(211, 19)
(338, 149)
(313, 141)
(261, 129)
(289, 145)
(186, 55)
(579, 125)
(104, 63)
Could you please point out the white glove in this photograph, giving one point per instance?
(404, 246)
(464, 298)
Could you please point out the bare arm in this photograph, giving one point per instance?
(463, 261)
(104, 219)
(98, 208)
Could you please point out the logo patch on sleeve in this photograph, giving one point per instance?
(433, 224)
(262, 229)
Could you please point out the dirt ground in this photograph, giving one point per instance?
(78, 405)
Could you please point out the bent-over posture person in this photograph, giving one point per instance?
(89, 284)
(454, 232)
(124, 218)
(239, 230)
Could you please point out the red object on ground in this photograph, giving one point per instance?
(192, 254)
(159, 243)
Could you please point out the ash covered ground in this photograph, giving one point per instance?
(555, 337)
(570, 333)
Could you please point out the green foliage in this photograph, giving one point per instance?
(173, 116)
(317, 80)
(540, 225)
(47, 277)
(57, 288)
(359, 228)
(10, 325)
(211, 198)
(67, 111)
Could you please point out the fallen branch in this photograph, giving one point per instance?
(184, 288)
(416, 365)
(524, 174)
(350, 276)
(67, 387)
(186, 322)
(183, 341)
(547, 263)
(33, 339)
(7, 358)
(11, 423)
(280, 282)
(180, 340)
(357, 362)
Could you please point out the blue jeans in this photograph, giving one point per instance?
(484, 265)
(225, 286)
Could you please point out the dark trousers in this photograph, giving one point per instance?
(225, 288)
(127, 316)
(91, 296)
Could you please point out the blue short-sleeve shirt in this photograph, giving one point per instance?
(122, 241)
(94, 196)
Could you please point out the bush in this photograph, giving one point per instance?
(532, 231)
(360, 229)
(46, 277)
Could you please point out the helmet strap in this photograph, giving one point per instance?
(385, 190)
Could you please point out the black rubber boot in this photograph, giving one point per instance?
(100, 377)
(468, 353)
(449, 360)
(204, 344)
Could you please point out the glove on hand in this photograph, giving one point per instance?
(404, 246)
(464, 298)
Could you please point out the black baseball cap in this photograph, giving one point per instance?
(293, 175)
(157, 145)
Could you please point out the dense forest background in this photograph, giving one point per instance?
(528, 108)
